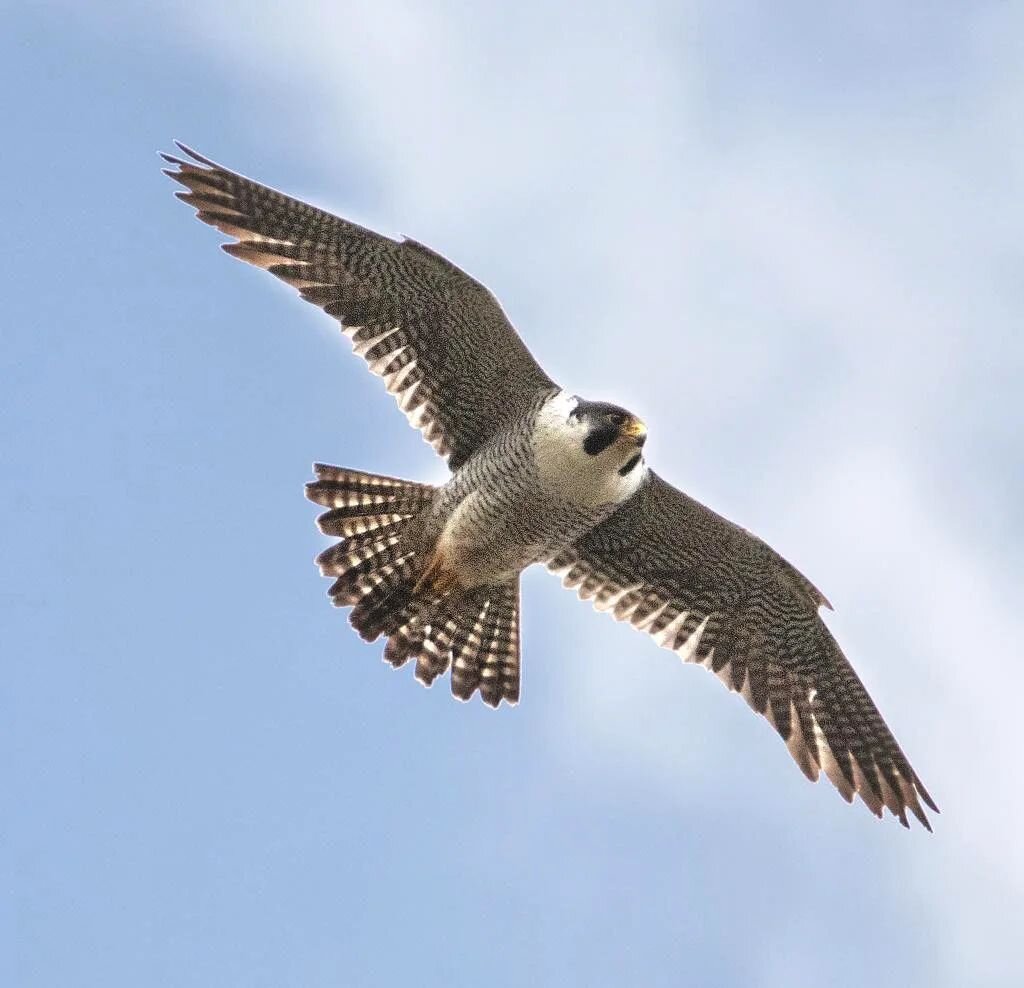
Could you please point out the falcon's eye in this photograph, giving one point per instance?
(617, 418)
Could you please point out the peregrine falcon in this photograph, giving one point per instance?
(538, 475)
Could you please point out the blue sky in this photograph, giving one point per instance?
(789, 239)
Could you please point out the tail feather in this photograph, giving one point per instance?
(345, 556)
(362, 502)
(342, 480)
(371, 514)
(485, 650)
(371, 587)
(378, 573)
(442, 640)
(469, 641)
(352, 526)
(499, 676)
(435, 654)
(386, 599)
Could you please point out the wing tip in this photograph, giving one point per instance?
(194, 155)
(915, 806)
(180, 163)
(923, 793)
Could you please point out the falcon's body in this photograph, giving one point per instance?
(531, 492)
(539, 475)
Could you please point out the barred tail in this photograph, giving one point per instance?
(373, 564)
(476, 632)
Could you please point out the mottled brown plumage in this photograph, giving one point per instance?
(538, 476)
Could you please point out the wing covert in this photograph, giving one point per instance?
(719, 596)
(437, 337)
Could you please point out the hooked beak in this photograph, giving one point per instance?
(635, 429)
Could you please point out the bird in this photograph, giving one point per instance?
(538, 475)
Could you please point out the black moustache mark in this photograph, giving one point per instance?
(630, 465)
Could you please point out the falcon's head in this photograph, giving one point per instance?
(589, 451)
(609, 432)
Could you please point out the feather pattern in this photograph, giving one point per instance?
(697, 584)
(476, 634)
(375, 567)
(371, 513)
(485, 648)
(719, 597)
(437, 337)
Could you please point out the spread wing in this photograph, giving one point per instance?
(719, 596)
(436, 336)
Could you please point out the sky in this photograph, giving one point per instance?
(788, 236)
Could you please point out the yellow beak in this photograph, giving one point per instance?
(635, 429)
